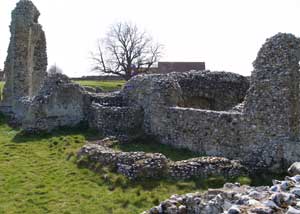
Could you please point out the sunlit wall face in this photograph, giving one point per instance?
(224, 34)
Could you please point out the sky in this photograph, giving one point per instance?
(226, 35)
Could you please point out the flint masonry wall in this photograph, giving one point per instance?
(207, 132)
(159, 94)
(272, 103)
(262, 131)
(26, 62)
(124, 122)
(139, 165)
(59, 102)
(212, 90)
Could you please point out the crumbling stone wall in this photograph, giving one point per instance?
(212, 90)
(206, 132)
(152, 93)
(26, 62)
(262, 131)
(124, 122)
(157, 94)
(60, 102)
(272, 103)
(139, 165)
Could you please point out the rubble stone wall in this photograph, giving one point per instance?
(124, 122)
(139, 165)
(154, 93)
(257, 129)
(26, 62)
(212, 90)
(203, 131)
(272, 103)
(60, 102)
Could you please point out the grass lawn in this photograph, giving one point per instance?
(151, 146)
(38, 174)
(1, 86)
(105, 85)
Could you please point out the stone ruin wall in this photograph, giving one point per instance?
(141, 165)
(60, 102)
(272, 103)
(206, 111)
(262, 131)
(26, 63)
(207, 131)
(32, 98)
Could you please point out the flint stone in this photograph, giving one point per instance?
(292, 210)
(294, 169)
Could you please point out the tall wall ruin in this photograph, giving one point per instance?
(26, 62)
(272, 103)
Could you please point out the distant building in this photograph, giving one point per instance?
(167, 67)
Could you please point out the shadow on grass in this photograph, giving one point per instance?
(151, 145)
(81, 129)
(4, 120)
(113, 180)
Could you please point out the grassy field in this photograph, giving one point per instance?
(151, 146)
(1, 86)
(38, 174)
(105, 85)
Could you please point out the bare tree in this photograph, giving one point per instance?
(125, 51)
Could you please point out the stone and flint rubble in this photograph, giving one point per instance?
(141, 165)
(233, 198)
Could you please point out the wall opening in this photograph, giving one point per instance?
(198, 102)
(218, 91)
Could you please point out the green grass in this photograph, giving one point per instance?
(105, 85)
(1, 86)
(151, 146)
(38, 174)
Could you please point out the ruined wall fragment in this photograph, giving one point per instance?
(26, 62)
(157, 93)
(60, 102)
(272, 103)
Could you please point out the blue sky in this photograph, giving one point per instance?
(224, 34)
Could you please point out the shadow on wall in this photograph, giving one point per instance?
(218, 91)
(198, 102)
